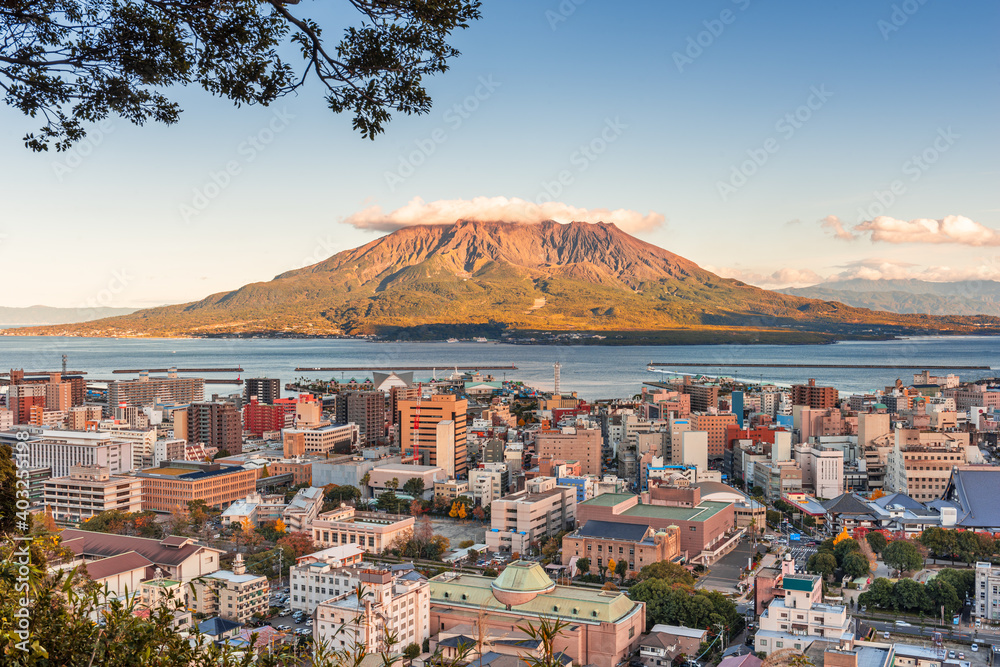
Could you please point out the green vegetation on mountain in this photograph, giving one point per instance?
(963, 297)
(513, 277)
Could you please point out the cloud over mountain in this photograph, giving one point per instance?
(488, 209)
(884, 229)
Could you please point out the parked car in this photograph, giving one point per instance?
(885, 635)
(975, 648)
(961, 655)
(951, 654)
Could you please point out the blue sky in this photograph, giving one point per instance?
(873, 83)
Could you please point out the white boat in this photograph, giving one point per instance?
(452, 340)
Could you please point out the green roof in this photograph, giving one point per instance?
(608, 499)
(574, 604)
(524, 576)
(702, 512)
(798, 582)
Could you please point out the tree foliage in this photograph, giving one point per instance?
(117, 522)
(876, 541)
(675, 604)
(902, 555)
(73, 63)
(907, 595)
(672, 573)
(822, 563)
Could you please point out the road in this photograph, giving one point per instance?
(963, 635)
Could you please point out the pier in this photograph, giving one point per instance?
(442, 367)
(133, 371)
(917, 367)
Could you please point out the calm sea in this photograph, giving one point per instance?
(592, 371)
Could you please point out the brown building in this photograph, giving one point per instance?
(573, 443)
(148, 390)
(716, 426)
(702, 527)
(215, 424)
(603, 628)
(703, 397)
(440, 426)
(174, 484)
(637, 545)
(367, 410)
(814, 396)
(300, 470)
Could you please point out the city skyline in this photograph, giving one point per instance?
(690, 115)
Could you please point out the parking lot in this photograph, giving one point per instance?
(286, 621)
(724, 574)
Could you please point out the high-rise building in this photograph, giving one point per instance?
(432, 431)
(573, 443)
(90, 490)
(716, 426)
(259, 418)
(266, 390)
(22, 398)
(148, 390)
(60, 450)
(367, 410)
(814, 396)
(215, 424)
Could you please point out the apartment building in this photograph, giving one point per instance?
(303, 509)
(265, 390)
(321, 441)
(432, 431)
(215, 424)
(325, 574)
(373, 531)
(920, 462)
(540, 511)
(801, 618)
(260, 418)
(822, 469)
(777, 478)
(148, 390)
(90, 490)
(581, 443)
(715, 425)
(986, 593)
(704, 397)
(451, 489)
(814, 396)
(233, 594)
(174, 484)
(367, 410)
(390, 605)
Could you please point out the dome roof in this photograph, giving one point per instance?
(520, 582)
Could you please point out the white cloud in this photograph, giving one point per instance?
(879, 269)
(951, 229)
(786, 277)
(513, 209)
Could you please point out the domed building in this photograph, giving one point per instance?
(603, 626)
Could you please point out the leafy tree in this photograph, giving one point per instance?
(479, 513)
(670, 572)
(879, 594)
(116, 522)
(942, 593)
(8, 490)
(855, 565)
(546, 633)
(674, 604)
(963, 581)
(74, 63)
(940, 542)
(300, 543)
(414, 487)
(621, 568)
(910, 595)
(411, 651)
(823, 564)
(876, 541)
(773, 518)
(845, 547)
(388, 501)
(465, 544)
(583, 565)
(902, 555)
(612, 564)
(333, 493)
(826, 546)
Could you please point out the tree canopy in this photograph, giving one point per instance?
(902, 555)
(73, 63)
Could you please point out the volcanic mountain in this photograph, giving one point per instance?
(515, 276)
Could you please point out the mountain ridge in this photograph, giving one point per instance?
(906, 296)
(592, 276)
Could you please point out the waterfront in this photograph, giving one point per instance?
(593, 371)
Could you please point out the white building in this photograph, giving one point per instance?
(60, 450)
(90, 490)
(540, 511)
(800, 618)
(398, 605)
(300, 512)
(233, 595)
(326, 574)
(986, 594)
(486, 484)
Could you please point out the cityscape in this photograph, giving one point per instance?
(455, 333)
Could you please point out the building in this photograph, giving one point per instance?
(432, 431)
(637, 545)
(986, 593)
(451, 489)
(60, 450)
(322, 575)
(716, 426)
(489, 482)
(391, 605)
(148, 390)
(382, 477)
(920, 462)
(777, 478)
(90, 490)
(265, 390)
(814, 396)
(704, 526)
(303, 509)
(822, 469)
(603, 628)
(373, 531)
(215, 424)
(180, 558)
(573, 443)
(367, 410)
(232, 595)
(665, 643)
(521, 519)
(704, 397)
(260, 418)
(351, 470)
(801, 618)
(174, 484)
(321, 441)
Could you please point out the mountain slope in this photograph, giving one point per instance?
(965, 297)
(591, 277)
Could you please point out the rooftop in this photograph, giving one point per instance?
(704, 511)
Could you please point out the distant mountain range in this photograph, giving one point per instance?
(42, 315)
(966, 297)
(489, 277)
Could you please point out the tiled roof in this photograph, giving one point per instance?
(109, 567)
(609, 530)
(846, 503)
(974, 489)
(217, 626)
(91, 544)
